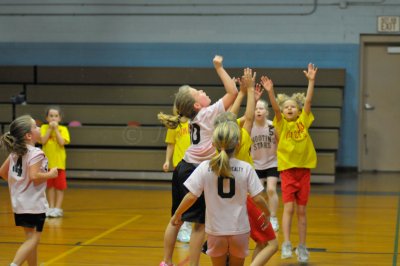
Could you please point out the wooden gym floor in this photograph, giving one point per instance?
(352, 222)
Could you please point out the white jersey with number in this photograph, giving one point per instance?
(263, 150)
(27, 197)
(226, 212)
(201, 131)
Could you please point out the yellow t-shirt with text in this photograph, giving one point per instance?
(295, 146)
(180, 137)
(55, 152)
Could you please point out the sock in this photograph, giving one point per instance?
(13, 264)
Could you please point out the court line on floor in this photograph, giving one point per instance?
(91, 241)
(396, 238)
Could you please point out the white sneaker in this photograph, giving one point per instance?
(274, 222)
(286, 251)
(183, 236)
(57, 212)
(49, 211)
(184, 232)
(302, 253)
(188, 228)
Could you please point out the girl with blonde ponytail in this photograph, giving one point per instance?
(225, 181)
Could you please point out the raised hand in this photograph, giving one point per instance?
(258, 91)
(311, 72)
(248, 79)
(217, 61)
(267, 83)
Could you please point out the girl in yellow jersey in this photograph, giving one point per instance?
(296, 156)
(54, 137)
(178, 141)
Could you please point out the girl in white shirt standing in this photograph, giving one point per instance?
(225, 182)
(25, 169)
(263, 152)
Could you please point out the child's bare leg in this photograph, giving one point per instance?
(59, 198)
(235, 261)
(288, 210)
(32, 257)
(24, 252)
(302, 223)
(273, 200)
(219, 261)
(51, 196)
(196, 242)
(264, 253)
(171, 232)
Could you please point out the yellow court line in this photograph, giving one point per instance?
(90, 241)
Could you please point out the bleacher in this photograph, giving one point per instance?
(120, 136)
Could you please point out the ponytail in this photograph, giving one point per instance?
(226, 137)
(183, 108)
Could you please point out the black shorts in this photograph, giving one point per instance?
(196, 213)
(30, 220)
(273, 171)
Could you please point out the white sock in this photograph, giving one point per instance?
(13, 264)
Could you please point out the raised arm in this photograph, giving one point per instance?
(238, 101)
(229, 83)
(310, 75)
(249, 82)
(269, 87)
(4, 169)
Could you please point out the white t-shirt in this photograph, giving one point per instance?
(225, 215)
(201, 131)
(25, 196)
(263, 150)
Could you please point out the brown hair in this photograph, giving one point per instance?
(14, 140)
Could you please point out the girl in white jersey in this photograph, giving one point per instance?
(25, 169)
(195, 105)
(263, 152)
(225, 181)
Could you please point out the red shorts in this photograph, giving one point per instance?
(295, 185)
(60, 182)
(258, 232)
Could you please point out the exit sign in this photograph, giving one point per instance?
(388, 24)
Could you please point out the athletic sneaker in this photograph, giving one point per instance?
(286, 251)
(184, 232)
(165, 264)
(274, 222)
(302, 253)
(183, 236)
(56, 212)
(49, 211)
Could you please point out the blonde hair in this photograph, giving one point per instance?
(224, 117)
(226, 137)
(184, 106)
(14, 140)
(299, 98)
